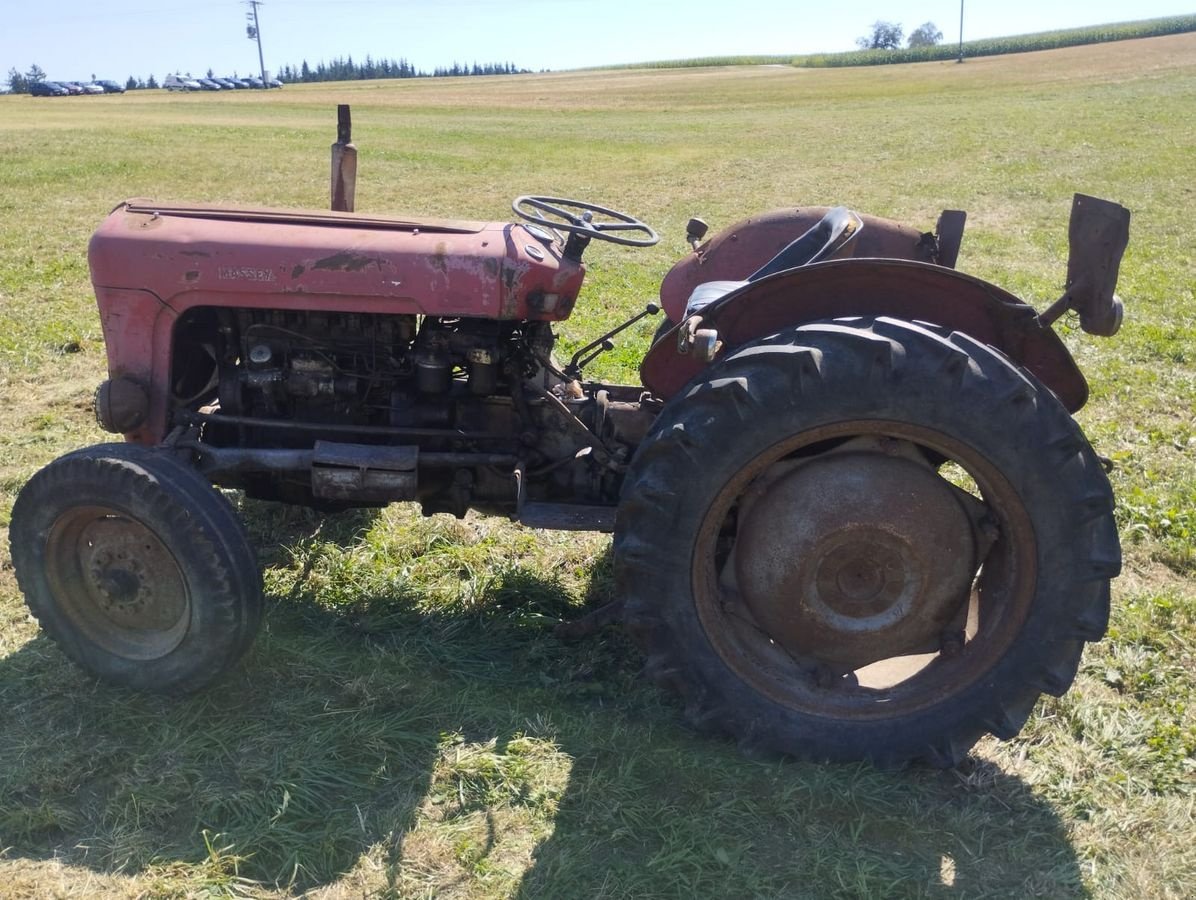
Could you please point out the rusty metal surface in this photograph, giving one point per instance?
(150, 263)
(190, 256)
(227, 464)
(737, 251)
(1097, 237)
(137, 327)
(364, 473)
(362, 485)
(121, 405)
(766, 641)
(879, 287)
(949, 231)
(854, 557)
(384, 457)
(117, 582)
(287, 216)
(344, 162)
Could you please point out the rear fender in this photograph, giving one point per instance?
(903, 289)
(740, 249)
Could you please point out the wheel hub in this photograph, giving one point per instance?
(861, 573)
(118, 582)
(854, 557)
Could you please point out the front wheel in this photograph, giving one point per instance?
(136, 567)
(865, 539)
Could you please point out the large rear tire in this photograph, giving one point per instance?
(136, 567)
(865, 539)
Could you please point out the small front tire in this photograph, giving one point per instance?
(136, 567)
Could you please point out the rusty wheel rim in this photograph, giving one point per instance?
(117, 582)
(794, 656)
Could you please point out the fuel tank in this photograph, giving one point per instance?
(197, 255)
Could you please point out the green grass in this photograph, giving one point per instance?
(406, 724)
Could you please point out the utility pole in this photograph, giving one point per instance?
(960, 31)
(255, 34)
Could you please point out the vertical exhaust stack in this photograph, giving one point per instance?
(344, 163)
(1097, 238)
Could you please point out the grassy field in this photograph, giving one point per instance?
(406, 724)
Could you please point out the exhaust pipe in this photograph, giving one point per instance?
(344, 162)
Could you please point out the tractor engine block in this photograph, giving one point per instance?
(348, 368)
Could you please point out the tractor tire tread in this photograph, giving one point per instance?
(826, 362)
(173, 500)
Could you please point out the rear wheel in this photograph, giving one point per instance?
(136, 567)
(865, 539)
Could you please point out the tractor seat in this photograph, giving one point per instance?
(830, 233)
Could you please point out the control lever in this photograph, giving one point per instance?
(580, 359)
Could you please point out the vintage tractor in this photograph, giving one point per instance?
(853, 516)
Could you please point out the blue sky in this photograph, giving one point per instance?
(72, 39)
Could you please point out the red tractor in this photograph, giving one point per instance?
(853, 516)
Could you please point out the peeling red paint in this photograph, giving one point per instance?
(346, 262)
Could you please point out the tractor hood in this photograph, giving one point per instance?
(190, 255)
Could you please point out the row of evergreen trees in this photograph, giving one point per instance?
(347, 70)
(20, 82)
(336, 70)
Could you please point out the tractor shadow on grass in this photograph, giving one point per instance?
(381, 749)
(717, 826)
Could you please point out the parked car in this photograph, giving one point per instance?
(255, 83)
(274, 83)
(208, 84)
(180, 83)
(72, 88)
(225, 83)
(90, 87)
(47, 89)
(110, 87)
(238, 83)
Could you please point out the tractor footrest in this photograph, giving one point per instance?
(567, 517)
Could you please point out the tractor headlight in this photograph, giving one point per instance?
(121, 405)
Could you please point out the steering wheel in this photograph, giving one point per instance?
(577, 218)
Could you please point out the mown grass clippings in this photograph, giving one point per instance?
(407, 724)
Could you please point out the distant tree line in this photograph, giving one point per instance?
(347, 70)
(336, 70)
(19, 84)
(22, 82)
(888, 36)
(887, 53)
